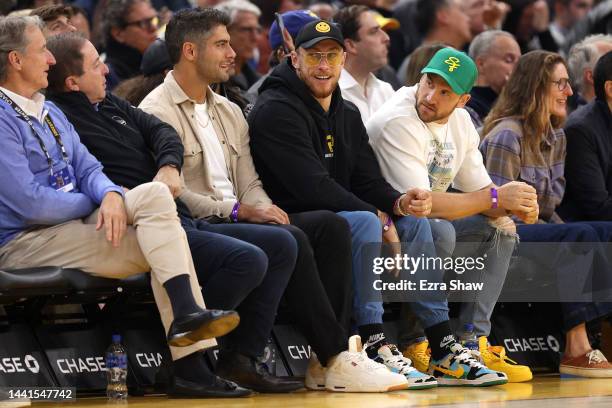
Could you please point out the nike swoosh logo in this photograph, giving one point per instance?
(458, 373)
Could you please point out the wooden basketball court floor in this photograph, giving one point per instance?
(542, 392)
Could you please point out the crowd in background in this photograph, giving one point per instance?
(124, 29)
(491, 118)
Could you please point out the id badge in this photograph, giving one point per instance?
(60, 180)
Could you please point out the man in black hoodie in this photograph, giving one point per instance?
(311, 151)
(135, 148)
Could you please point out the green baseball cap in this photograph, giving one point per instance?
(457, 69)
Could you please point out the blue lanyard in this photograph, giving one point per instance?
(51, 125)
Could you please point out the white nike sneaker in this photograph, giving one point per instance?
(354, 371)
(391, 357)
(315, 374)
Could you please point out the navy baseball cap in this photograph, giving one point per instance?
(294, 21)
(317, 31)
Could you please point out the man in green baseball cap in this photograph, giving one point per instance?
(448, 70)
(457, 69)
(423, 139)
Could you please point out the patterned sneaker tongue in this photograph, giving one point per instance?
(391, 351)
(456, 348)
(392, 358)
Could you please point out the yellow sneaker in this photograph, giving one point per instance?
(420, 354)
(495, 358)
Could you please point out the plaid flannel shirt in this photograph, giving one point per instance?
(507, 159)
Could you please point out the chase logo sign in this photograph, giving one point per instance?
(11, 365)
(453, 63)
(323, 27)
(548, 343)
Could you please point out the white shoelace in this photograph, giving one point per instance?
(596, 356)
(403, 364)
(465, 356)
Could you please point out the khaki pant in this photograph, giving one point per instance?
(154, 241)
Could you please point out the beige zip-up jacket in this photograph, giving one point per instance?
(170, 104)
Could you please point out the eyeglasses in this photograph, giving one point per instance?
(145, 23)
(248, 30)
(562, 83)
(333, 58)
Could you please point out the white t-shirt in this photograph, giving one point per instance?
(367, 100)
(213, 152)
(429, 156)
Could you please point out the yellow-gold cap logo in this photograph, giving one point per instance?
(323, 27)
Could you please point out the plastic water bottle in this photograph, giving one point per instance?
(469, 340)
(468, 337)
(116, 370)
(272, 365)
(269, 358)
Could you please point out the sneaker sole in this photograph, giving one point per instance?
(314, 387)
(422, 387)
(520, 376)
(209, 330)
(367, 388)
(518, 379)
(586, 372)
(449, 382)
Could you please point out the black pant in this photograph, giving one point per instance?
(306, 289)
(319, 293)
(243, 267)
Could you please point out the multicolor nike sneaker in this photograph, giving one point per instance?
(391, 357)
(460, 367)
(495, 358)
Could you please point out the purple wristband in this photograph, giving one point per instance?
(387, 224)
(234, 214)
(494, 198)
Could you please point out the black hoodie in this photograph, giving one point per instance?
(309, 159)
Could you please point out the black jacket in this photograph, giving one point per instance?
(308, 159)
(482, 100)
(123, 62)
(588, 165)
(131, 144)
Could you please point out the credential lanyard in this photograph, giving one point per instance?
(51, 125)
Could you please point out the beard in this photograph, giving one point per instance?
(427, 115)
(318, 90)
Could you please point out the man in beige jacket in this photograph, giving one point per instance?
(224, 191)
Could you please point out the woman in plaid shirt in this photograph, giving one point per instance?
(524, 141)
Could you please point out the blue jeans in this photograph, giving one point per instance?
(574, 313)
(366, 229)
(476, 237)
(418, 232)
